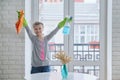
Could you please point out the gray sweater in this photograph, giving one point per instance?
(36, 61)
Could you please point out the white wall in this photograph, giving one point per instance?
(11, 45)
(116, 40)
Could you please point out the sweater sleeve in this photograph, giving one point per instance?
(49, 36)
(30, 34)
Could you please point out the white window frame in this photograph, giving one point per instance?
(106, 38)
(109, 40)
(28, 46)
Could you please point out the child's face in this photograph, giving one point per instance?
(38, 29)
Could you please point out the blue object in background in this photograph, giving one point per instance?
(64, 72)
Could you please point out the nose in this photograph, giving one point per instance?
(38, 30)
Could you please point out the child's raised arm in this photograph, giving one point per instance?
(29, 32)
(60, 25)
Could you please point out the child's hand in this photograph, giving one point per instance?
(62, 23)
(25, 23)
(70, 19)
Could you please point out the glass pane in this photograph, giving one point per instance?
(51, 13)
(86, 52)
(86, 35)
(93, 70)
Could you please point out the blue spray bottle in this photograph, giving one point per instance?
(66, 29)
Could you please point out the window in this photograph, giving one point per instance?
(86, 22)
(81, 52)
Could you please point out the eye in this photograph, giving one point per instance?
(35, 29)
(39, 28)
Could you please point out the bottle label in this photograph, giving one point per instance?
(66, 30)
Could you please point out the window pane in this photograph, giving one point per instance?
(93, 70)
(86, 35)
(51, 12)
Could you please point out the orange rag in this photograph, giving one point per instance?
(19, 23)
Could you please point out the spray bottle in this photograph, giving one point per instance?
(66, 29)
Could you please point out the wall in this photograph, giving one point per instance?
(116, 40)
(12, 49)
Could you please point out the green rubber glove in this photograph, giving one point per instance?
(25, 23)
(62, 23)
